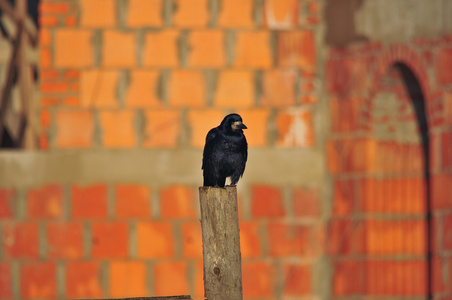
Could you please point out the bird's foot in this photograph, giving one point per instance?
(231, 185)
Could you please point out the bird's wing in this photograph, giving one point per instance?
(211, 134)
(208, 146)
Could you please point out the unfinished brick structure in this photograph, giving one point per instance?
(349, 119)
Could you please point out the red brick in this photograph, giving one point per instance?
(235, 89)
(45, 58)
(38, 280)
(45, 38)
(438, 280)
(5, 281)
(170, 278)
(191, 240)
(344, 197)
(155, 240)
(267, 202)
(345, 114)
(306, 203)
(48, 21)
(160, 49)
(144, 13)
(289, 239)
(110, 240)
(342, 236)
(278, 88)
(281, 14)
(187, 88)
(128, 279)
(49, 75)
(53, 8)
(56, 88)
(7, 197)
(441, 197)
(119, 49)
(177, 202)
(64, 240)
(296, 49)
(443, 65)
(20, 240)
(297, 280)
(45, 202)
(257, 122)
(446, 149)
(258, 279)
(191, 13)
(236, 13)
(200, 122)
(45, 119)
(99, 89)
(447, 111)
(75, 129)
(253, 49)
(132, 201)
(89, 201)
(207, 49)
(250, 244)
(162, 128)
(349, 277)
(83, 280)
(71, 21)
(447, 232)
(295, 128)
(73, 48)
(118, 129)
(142, 90)
(91, 16)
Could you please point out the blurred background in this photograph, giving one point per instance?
(105, 105)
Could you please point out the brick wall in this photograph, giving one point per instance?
(149, 78)
(378, 160)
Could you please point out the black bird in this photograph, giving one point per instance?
(225, 152)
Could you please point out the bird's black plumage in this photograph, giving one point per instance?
(225, 152)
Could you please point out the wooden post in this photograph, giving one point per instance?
(221, 243)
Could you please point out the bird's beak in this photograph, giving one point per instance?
(243, 126)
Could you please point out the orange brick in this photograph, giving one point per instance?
(296, 49)
(298, 280)
(236, 13)
(191, 13)
(118, 49)
(75, 129)
(272, 197)
(64, 240)
(295, 128)
(207, 49)
(38, 280)
(281, 14)
(46, 119)
(278, 88)
(98, 89)
(306, 203)
(128, 279)
(101, 13)
(110, 240)
(132, 201)
(142, 91)
(45, 58)
(48, 21)
(46, 202)
(187, 88)
(89, 201)
(235, 89)
(201, 122)
(344, 198)
(177, 202)
(71, 21)
(53, 8)
(253, 49)
(144, 13)
(155, 240)
(257, 122)
(170, 278)
(20, 240)
(83, 280)
(160, 49)
(73, 48)
(199, 280)
(250, 245)
(443, 63)
(5, 281)
(45, 38)
(288, 239)
(258, 279)
(7, 197)
(118, 129)
(162, 128)
(191, 240)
